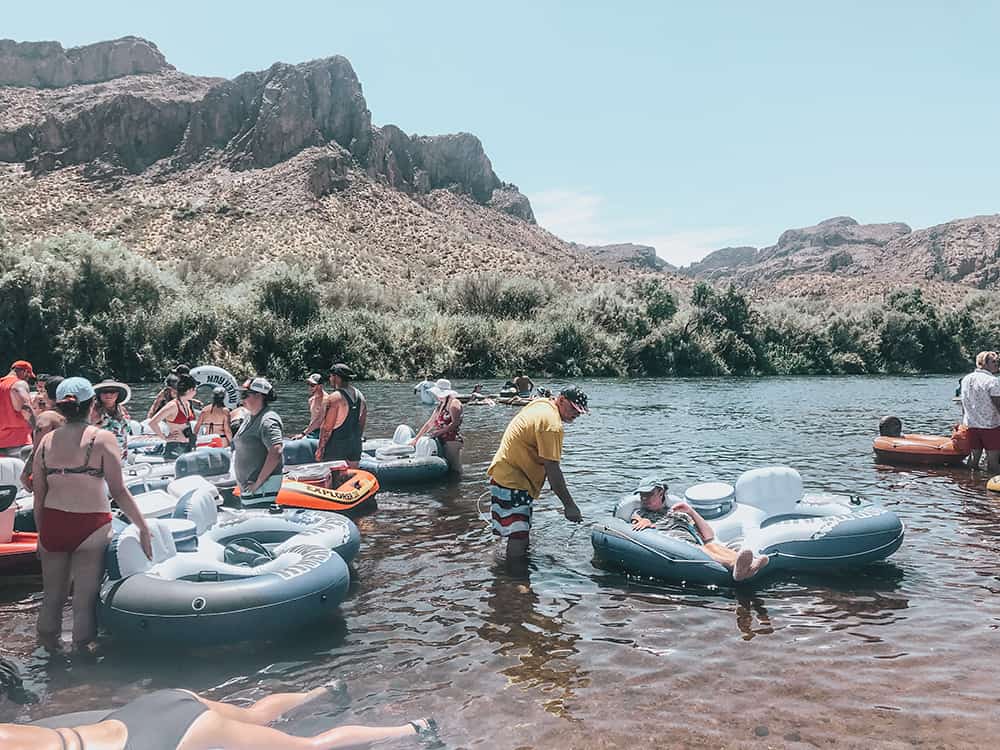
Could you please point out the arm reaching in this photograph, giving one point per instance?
(557, 482)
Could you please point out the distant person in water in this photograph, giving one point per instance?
(317, 407)
(981, 411)
(178, 415)
(215, 418)
(45, 422)
(684, 522)
(110, 412)
(444, 425)
(346, 413)
(16, 412)
(167, 393)
(182, 720)
(523, 384)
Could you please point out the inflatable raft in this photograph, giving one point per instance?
(893, 447)
(17, 548)
(245, 575)
(393, 461)
(993, 485)
(766, 512)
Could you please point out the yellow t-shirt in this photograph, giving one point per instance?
(533, 436)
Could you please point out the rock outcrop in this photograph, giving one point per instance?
(129, 109)
(48, 65)
(964, 250)
(627, 255)
(722, 263)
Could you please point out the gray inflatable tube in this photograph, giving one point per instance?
(412, 465)
(197, 598)
(767, 513)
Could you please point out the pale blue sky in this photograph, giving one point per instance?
(689, 126)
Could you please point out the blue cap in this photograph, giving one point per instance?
(74, 391)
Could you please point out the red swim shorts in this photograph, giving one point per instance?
(987, 439)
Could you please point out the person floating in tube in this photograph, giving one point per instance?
(683, 522)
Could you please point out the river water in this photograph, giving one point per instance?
(901, 654)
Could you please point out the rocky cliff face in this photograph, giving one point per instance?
(121, 105)
(966, 251)
(48, 65)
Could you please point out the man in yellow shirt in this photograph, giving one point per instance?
(529, 453)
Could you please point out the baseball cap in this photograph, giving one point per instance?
(342, 370)
(314, 379)
(260, 385)
(576, 396)
(650, 483)
(74, 391)
(23, 364)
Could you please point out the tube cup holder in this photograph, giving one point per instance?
(711, 499)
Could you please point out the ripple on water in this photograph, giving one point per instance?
(575, 656)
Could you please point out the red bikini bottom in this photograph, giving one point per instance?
(63, 531)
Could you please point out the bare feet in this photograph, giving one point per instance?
(758, 564)
(741, 568)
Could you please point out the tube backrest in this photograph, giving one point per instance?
(772, 489)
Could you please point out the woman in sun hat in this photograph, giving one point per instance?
(444, 423)
(109, 411)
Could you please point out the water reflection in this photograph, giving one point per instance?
(539, 643)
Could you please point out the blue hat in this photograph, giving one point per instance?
(74, 391)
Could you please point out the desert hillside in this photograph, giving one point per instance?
(285, 163)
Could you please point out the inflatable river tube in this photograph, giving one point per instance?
(203, 597)
(766, 512)
(17, 548)
(393, 461)
(925, 450)
(329, 486)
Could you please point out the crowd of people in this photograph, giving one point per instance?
(75, 435)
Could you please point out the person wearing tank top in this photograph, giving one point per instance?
(345, 416)
(15, 408)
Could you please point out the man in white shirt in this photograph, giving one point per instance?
(981, 407)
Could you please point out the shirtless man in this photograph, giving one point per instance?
(16, 414)
(344, 420)
(317, 407)
(523, 384)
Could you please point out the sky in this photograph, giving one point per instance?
(686, 126)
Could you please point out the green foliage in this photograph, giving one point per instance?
(75, 304)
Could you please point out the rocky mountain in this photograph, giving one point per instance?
(627, 255)
(842, 251)
(111, 139)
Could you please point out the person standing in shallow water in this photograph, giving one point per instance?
(15, 408)
(981, 407)
(74, 469)
(258, 446)
(344, 421)
(317, 407)
(444, 425)
(530, 452)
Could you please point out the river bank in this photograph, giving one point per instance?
(76, 304)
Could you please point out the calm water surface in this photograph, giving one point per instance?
(901, 654)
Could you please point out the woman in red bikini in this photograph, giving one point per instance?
(178, 414)
(74, 469)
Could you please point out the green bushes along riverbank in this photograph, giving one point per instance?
(77, 304)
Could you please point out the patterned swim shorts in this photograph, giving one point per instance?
(511, 512)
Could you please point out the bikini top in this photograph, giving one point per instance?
(85, 468)
(181, 417)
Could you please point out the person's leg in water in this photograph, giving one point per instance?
(55, 588)
(87, 567)
(975, 458)
(211, 730)
(270, 709)
(453, 455)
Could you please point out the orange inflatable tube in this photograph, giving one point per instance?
(351, 489)
(18, 555)
(927, 450)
